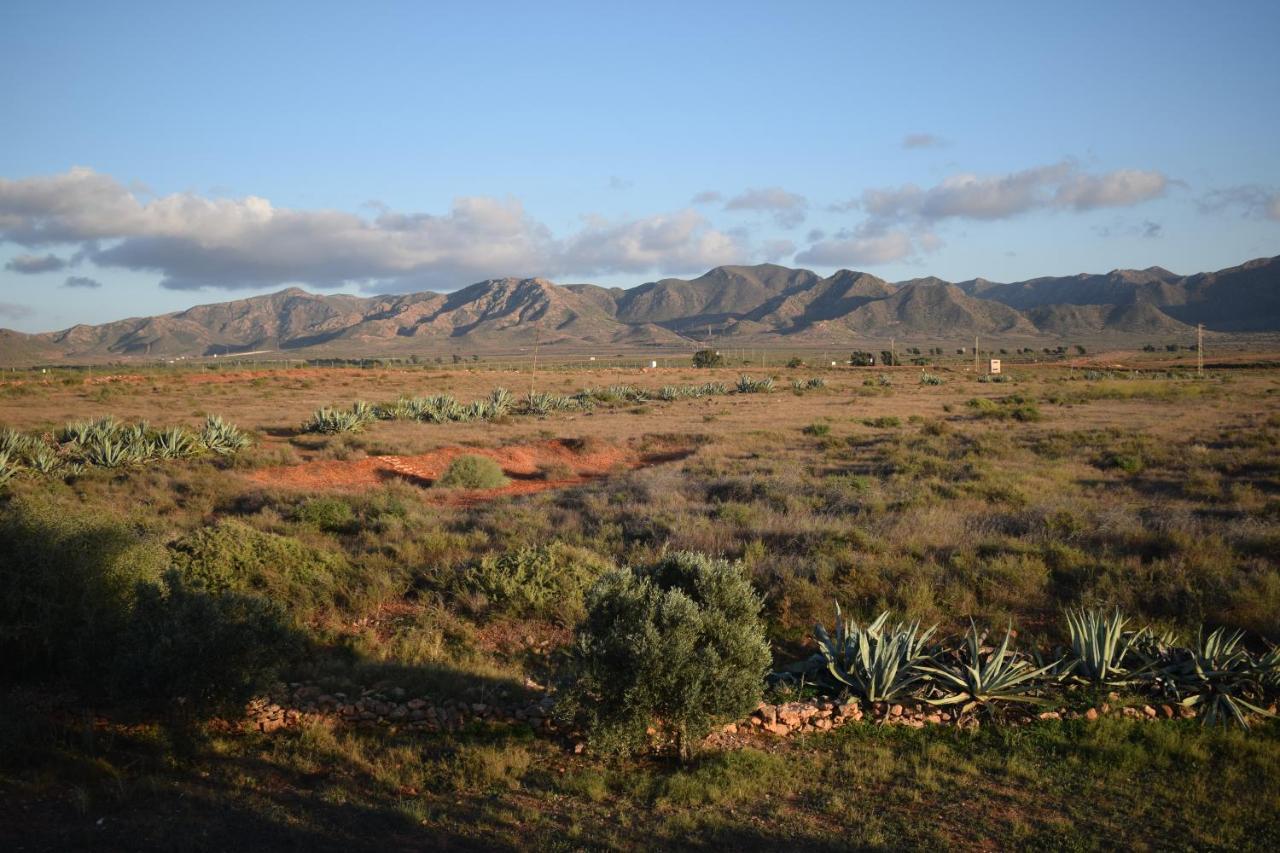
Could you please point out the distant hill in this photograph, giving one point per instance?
(764, 304)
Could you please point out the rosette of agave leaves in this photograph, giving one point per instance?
(977, 678)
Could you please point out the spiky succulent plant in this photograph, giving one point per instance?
(975, 679)
(1102, 652)
(878, 662)
(1221, 678)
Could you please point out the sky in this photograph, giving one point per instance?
(159, 155)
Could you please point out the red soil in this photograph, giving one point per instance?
(524, 464)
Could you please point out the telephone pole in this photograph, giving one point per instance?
(975, 354)
(533, 373)
(1200, 350)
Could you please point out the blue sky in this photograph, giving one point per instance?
(154, 157)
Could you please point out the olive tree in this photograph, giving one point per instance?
(673, 648)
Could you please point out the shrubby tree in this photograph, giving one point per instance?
(677, 646)
(87, 601)
(195, 653)
(707, 358)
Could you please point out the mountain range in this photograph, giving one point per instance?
(757, 305)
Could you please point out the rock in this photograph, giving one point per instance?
(416, 704)
(781, 729)
(729, 728)
(789, 714)
(1050, 715)
(896, 711)
(1166, 711)
(767, 713)
(579, 747)
(1091, 714)
(1148, 712)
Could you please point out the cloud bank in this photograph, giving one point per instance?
(901, 221)
(195, 242)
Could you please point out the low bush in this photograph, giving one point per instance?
(193, 653)
(678, 646)
(231, 556)
(473, 472)
(547, 582)
(87, 603)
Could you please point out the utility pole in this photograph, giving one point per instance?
(975, 354)
(893, 352)
(533, 373)
(1200, 350)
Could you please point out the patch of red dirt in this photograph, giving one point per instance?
(524, 464)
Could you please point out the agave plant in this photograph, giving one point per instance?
(221, 437)
(1220, 676)
(363, 412)
(877, 662)
(927, 378)
(107, 452)
(43, 459)
(747, 385)
(15, 443)
(327, 420)
(538, 403)
(501, 401)
(1102, 653)
(978, 680)
(175, 443)
(8, 467)
(815, 382)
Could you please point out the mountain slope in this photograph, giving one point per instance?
(765, 303)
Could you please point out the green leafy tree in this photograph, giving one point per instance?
(707, 358)
(678, 647)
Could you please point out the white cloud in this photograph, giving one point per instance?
(195, 242)
(859, 249)
(707, 197)
(984, 197)
(900, 221)
(1252, 200)
(1122, 188)
(683, 240)
(788, 208)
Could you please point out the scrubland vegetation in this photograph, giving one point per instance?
(1056, 540)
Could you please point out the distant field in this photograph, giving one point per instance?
(1116, 480)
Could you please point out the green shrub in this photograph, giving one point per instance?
(472, 472)
(188, 650)
(86, 601)
(231, 556)
(817, 429)
(546, 582)
(678, 646)
(707, 358)
(330, 514)
(68, 579)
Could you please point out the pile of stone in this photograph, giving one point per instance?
(295, 704)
